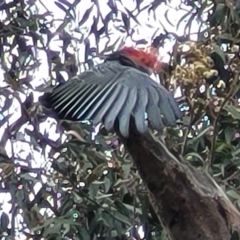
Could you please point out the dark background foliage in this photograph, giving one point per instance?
(61, 180)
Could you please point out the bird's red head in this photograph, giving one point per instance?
(146, 58)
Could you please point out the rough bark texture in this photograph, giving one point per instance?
(188, 202)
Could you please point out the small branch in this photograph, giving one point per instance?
(76, 135)
(100, 206)
(185, 140)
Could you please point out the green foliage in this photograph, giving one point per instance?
(90, 188)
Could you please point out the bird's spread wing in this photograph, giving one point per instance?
(107, 96)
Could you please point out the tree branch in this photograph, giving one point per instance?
(188, 202)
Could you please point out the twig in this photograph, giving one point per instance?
(100, 206)
(185, 140)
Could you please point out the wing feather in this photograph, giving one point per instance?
(104, 108)
(153, 113)
(75, 102)
(112, 113)
(175, 107)
(139, 110)
(113, 92)
(92, 100)
(71, 96)
(166, 110)
(111, 95)
(126, 112)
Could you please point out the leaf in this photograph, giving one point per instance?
(122, 208)
(108, 220)
(126, 21)
(94, 222)
(122, 218)
(61, 6)
(236, 152)
(233, 194)
(228, 37)
(229, 134)
(4, 221)
(84, 235)
(220, 11)
(112, 5)
(56, 228)
(119, 228)
(65, 2)
(104, 196)
(194, 154)
(200, 135)
(96, 173)
(221, 146)
(86, 16)
(189, 13)
(232, 110)
(126, 167)
(145, 204)
(107, 184)
(166, 17)
(132, 16)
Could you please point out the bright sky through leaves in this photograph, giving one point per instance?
(149, 25)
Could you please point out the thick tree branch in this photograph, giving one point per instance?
(188, 202)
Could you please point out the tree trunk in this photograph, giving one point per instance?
(188, 202)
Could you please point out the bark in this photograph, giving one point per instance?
(188, 202)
